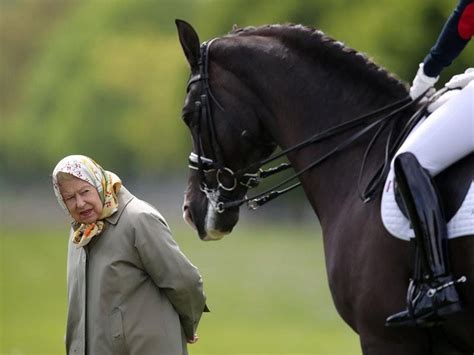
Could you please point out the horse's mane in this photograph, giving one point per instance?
(311, 40)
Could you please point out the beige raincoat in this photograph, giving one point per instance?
(131, 290)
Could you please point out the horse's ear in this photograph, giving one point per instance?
(189, 41)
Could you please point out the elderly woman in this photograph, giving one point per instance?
(130, 288)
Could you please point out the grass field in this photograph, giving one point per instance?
(266, 287)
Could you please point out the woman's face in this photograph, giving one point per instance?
(82, 200)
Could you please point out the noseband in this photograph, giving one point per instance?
(227, 180)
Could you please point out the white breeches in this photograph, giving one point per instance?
(447, 135)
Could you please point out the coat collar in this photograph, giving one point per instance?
(124, 198)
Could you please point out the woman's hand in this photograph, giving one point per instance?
(193, 340)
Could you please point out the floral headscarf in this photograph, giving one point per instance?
(107, 184)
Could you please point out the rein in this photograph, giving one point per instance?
(242, 177)
(260, 199)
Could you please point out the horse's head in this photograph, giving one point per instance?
(222, 115)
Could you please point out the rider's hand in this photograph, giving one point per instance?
(461, 80)
(421, 83)
(440, 101)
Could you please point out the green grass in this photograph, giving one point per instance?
(266, 287)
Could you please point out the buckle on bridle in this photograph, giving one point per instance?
(253, 204)
(253, 180)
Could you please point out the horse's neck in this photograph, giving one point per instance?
(333, 183)
(299, 97)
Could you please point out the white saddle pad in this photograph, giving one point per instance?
(398, 225)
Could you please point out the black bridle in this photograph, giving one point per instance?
(226, 178)
(250, 176)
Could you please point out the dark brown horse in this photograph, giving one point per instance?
(258, 88)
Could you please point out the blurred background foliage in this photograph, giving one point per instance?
(107, 78)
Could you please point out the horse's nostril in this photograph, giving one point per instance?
(187, 216)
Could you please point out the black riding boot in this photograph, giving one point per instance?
(432, 294)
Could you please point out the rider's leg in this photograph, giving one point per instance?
(433, 295)
(445, 137)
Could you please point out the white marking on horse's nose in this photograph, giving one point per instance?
(214, 235)
(211, 217)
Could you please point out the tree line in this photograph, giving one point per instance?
(106, 78)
